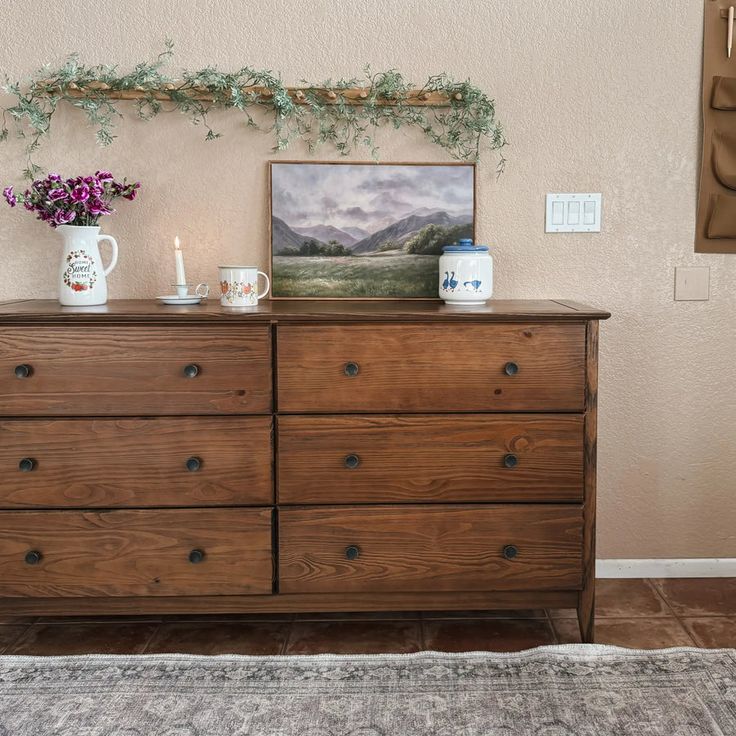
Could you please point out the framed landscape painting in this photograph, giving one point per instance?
(365, 230)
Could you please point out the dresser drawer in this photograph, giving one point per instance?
(187, 461)
(430, 548)
(435, 458)
(135, 553)
(431, 368)
(135, 370)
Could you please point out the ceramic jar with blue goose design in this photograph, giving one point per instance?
(466, 273)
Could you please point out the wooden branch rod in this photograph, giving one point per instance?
(353, 95)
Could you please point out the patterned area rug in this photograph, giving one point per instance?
(577, 690)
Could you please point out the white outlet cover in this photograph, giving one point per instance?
(574, 213)
(692, 284)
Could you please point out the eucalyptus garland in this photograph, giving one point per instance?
(323, 114)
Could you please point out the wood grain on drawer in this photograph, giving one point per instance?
(187, 461)
(421, 458)
(135, 370)
(132, 553)
(430, 548)
(441, 367)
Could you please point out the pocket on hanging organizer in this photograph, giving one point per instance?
(724, 93)
(724, 158)
(722, 223)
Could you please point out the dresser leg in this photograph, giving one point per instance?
(586, 597)
(586, 615)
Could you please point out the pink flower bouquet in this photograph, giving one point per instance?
(78, 201)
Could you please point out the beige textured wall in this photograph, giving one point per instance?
(595, 95)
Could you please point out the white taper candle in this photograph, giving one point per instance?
(181, 276)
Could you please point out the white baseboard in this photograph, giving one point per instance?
(696, 567)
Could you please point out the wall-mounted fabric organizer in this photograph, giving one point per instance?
(716, 224)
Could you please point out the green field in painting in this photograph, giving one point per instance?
(382, 275)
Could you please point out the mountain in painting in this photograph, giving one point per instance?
(326, 233)
(424, 211)
(357, 232)
(399, 232)
(283, 237)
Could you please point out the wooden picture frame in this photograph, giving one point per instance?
(454, 225)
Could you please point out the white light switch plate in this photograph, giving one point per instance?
(574, 213)
(692, 284)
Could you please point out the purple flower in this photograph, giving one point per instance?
(57, 193)
(130, 192)
(80, 193)
(80, 199)
(97, 207)
(62, 218)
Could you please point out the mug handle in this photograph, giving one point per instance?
(268, 285)
(205, 290)
(114, 246)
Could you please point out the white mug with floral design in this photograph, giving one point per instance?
(239, 286)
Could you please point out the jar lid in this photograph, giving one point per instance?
(464, 246)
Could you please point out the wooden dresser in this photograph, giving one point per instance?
(300, 456)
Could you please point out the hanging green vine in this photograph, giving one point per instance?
(456, 116)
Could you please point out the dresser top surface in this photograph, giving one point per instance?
(144, 310)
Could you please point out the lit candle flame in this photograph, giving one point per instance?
(176, 243)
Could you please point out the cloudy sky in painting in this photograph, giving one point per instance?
(366, 196)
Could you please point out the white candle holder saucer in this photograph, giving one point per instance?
(183, 297)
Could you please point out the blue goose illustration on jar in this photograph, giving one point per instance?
(466, 273)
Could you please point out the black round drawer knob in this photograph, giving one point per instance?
(23, 371)
(352, 552)
(510, 552)
(27, 464)
(33, 557)
(191, 370)
(196, 556)
(352, 461)
(351, 369)
(194, 464)
(510, 461)
(511, 369)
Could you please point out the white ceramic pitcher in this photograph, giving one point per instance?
(82, 277)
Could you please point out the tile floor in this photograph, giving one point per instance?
(631, 613)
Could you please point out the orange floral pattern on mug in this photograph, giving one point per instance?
(238, 290)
